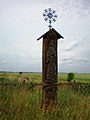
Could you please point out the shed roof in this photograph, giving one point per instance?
(58, 35)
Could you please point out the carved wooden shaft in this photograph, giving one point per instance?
(49, 67)
(49, 96)
(49, 58)
(49, 70)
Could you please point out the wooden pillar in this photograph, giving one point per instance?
(49, 67)
(49, 58)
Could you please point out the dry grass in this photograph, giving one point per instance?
(23, 101)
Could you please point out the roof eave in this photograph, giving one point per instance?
(59, 36)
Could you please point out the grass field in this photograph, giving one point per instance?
(23, 101)
(37, 77)
(79, 77)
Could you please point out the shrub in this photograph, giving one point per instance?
(70, 76)
(20, 72)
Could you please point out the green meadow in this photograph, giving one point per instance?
(37, 77)
(79, 77)
(20, 101)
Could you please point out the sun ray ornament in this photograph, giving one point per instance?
(49, 16)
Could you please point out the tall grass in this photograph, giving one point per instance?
(20, 103)
(23, 101)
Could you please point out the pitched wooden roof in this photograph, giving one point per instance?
(58, 35)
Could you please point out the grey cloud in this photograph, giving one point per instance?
(66, 58)
(85, 39)
(80, 59)
(71, 46)
(70, 60)
(76, 68)
(75, 43)
(19, 63)
(73, 7)
(86, 4)
(19, 66)
(72, 64)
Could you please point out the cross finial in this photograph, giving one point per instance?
(49, 16)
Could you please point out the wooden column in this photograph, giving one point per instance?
(49, 58)
(49, 67)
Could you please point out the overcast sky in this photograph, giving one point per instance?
(21, 23)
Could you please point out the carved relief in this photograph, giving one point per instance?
(49, 58)
(49, 95)
(51, 61)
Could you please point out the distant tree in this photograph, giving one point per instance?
(20, 72)
(70, 76)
